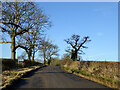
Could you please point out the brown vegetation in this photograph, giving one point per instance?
(12, 71)
(104, 72)
(9, 64)
(10, 76)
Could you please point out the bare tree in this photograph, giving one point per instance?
(47, 50)
(30, 43)
(51, 50)
(43, 48)
(76, 44)
(16, 20)
(19, 18)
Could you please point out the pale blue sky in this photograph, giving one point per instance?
(97, 20)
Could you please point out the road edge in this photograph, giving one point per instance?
(14, 81)
(92, 79)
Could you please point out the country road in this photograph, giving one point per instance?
(55, 77)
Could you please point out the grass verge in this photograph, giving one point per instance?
(102, 80)
(11, 77)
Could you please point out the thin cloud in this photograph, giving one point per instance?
(100, 34)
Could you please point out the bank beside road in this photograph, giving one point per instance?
(10, 77)
(12, 71)
(106, 73)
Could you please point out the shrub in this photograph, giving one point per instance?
(69, 62)
(55, 61)
(9, 64)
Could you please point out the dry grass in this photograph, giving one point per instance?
(102, 80)
(11, 70)
(99, 71)
(8, 77)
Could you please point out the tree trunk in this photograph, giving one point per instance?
(33, 55)
(13, 48)
(29, 57)
(44, 56)
(75, 55)
(47, 59)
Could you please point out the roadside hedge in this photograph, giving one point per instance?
(9, 64)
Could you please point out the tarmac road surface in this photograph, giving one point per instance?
(55, 77)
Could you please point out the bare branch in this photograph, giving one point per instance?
(11, 24)
(85, 40)
(69, 42)
(23, 47)
(23, 31)
(5, 42)
(4, 30)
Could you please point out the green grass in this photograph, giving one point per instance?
(80, 71)
(66, 68)
(77, 71)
